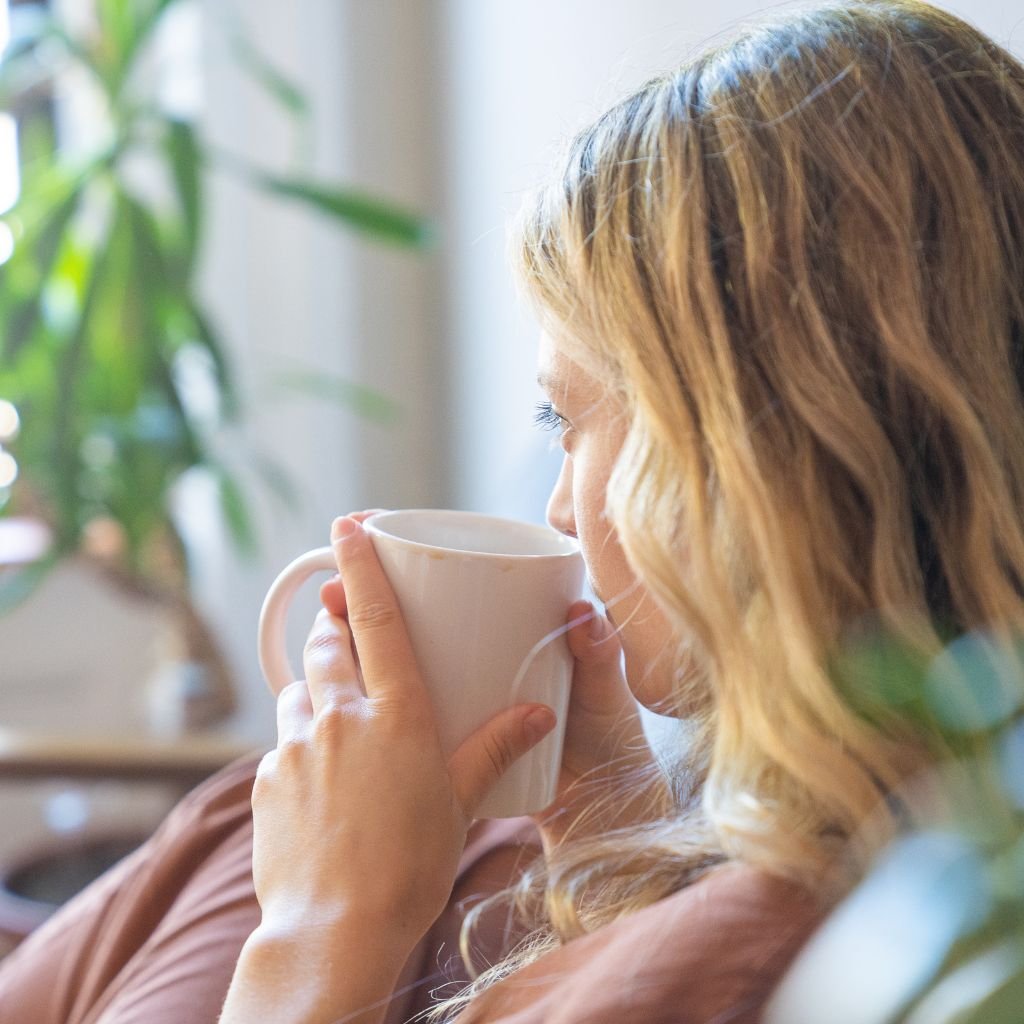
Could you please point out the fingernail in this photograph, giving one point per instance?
(343, 527)
(538, 723)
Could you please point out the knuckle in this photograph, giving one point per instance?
(266, 773)
(499, 754)
(261, 789)
(290, 752)
(323, 651)
(320, 643)
(333, 719)
(267, 765)
(292, 694)
(373, 615)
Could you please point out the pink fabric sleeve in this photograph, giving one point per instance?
(155, 940)
(710, 954)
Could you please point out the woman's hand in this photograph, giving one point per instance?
(605, 745)
(358, 815)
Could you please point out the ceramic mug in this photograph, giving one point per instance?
(484, 601)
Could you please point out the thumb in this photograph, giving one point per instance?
(482, 759)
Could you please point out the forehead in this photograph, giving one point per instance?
(561, 376)
(551, 360)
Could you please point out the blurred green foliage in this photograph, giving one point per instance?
(935, 932)
(99, 306)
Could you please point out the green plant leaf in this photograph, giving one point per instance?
(207, 336)
(145, 23)
(152, 280)
(372, 217)
(117, 27)
(95, 60)
(66, 427)
(23, 318)
(236, 510)
(277, 479)
(364, 401)
(186, 164)
(126, 26)
(276, 84)
(152, 261)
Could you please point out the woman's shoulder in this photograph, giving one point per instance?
(710, 952)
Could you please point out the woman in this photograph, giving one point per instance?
(783, 298)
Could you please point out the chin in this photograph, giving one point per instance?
(651, 685)
(677, 686)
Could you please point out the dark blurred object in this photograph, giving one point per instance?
(32, 890)
(40, 872)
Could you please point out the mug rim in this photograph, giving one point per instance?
(571, 545)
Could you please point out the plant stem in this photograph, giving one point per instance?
(65, 456)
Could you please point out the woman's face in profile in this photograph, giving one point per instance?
(592, 428)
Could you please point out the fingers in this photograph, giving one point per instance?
(385, 654)
(332, 675)
(482, 759)
(332, 597)
(332, 593)
(294, 711)
(593, 640)
(598, 681)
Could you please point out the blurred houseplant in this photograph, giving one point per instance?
(934, 934)
(100, 316)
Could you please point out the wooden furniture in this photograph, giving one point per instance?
(73, 860)
(182, 762)
(108, 691)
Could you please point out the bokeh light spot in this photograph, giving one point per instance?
(10, 421)
(8, 469)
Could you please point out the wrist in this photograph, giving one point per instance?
(316, 972)
(335, 952)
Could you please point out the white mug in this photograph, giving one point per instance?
(484, 601)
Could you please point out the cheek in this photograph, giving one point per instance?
(643, 630)
(606, 563)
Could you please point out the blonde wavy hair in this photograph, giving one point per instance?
(798, 261)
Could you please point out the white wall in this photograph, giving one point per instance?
(521, 77)
(289, 290)
(457, 107)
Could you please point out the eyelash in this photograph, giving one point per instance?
(547, 418)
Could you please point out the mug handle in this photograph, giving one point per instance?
(274, 663)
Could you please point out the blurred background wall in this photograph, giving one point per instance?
(457, 107)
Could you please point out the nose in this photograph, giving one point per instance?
(560, 513)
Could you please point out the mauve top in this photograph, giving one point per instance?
(155, 940)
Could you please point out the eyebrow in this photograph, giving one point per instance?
(548, 381)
